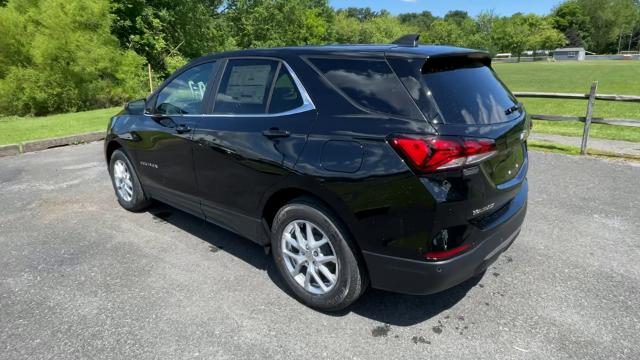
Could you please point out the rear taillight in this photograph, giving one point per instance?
(435, 153)
(446, 254)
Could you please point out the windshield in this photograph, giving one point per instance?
(468, 93)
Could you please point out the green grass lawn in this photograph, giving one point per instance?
(547, 146)
(614, 77)
(15, 129)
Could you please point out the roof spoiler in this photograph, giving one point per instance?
(407, 40)
(451, 61)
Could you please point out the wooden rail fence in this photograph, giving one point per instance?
(588, 119)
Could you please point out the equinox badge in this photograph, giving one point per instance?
(483, 209)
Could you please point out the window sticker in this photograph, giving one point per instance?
(248, 84)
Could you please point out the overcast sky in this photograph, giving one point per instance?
(473, 7)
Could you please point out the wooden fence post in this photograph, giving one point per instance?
(587, 120)
(150, 81)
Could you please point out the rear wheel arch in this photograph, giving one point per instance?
(338, 209)
(282, 196)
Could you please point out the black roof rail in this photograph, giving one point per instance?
(407, 40)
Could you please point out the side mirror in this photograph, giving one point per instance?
(136, 107)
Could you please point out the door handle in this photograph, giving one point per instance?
(276, 133)
(182, 128)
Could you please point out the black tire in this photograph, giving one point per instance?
(351, 274)
(139, 200)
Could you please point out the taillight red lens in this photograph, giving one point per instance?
(435, 153)
(415, 149)
(447, 153)
(479, 149)
(446, 254)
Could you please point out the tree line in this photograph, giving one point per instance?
(70, 55)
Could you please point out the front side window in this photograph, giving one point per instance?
(245, 86)
(369, 83)
(185, 93)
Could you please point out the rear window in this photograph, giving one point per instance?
(467, 92)
(369, 83)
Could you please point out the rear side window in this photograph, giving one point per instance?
(369, 83)
(467, 92)
(245, 86)
(285, 94)
(185, 93)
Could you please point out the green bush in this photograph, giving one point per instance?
(60, 56)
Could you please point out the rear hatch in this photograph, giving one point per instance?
(468, 99)
(462, 97)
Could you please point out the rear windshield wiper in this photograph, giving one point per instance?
(514, 108)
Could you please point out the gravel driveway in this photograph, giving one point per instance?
(82, 278)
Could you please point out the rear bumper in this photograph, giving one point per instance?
(421, 277)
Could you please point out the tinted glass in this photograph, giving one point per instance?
(285, 95)
(245, 87)
(369, 83)
(185, 93)
(470, 95)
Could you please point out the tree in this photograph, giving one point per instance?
(359, 13)
(569, 18)
(383, 30)
(512, 35)
(346, 29)
(462, 31)
(61, 57)
(456, 16)
(444, 32)
(157, 29)
(378, 30)
(267, 23)
(545, 36)
(421, 21)
(484, 28)
(610, 19)
(522, 32)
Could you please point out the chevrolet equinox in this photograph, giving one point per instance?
(402, 166)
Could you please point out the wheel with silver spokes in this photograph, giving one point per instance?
(316, 256)
(126, 184)
(309, 257)
(122, 179)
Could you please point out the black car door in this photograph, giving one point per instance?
(257, 128)
(164, 146)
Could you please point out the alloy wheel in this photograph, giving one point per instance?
(122, 180)
(309, 257)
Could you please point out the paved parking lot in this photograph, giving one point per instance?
(82, 278)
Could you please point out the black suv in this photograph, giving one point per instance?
(399, 166)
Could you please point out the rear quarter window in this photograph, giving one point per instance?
(369, 83)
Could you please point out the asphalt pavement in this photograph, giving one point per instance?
(82, 278)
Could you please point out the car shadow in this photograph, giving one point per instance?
(382, 306)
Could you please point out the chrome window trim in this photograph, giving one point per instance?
(307, 103)
(308, 59)
(306, 99)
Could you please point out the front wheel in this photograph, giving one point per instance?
(315, 256)
(126, 183)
